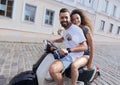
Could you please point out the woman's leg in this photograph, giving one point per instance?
(79, 62)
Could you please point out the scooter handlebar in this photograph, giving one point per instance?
(49, 47)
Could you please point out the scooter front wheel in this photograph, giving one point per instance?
(24, 78)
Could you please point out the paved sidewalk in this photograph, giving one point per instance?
(18, 57)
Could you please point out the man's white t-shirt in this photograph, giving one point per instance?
(73, 36)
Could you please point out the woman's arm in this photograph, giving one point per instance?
(90, 44)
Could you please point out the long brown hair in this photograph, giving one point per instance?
(85, 21)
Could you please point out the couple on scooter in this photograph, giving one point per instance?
(79, 45)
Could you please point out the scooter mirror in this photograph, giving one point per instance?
(45, 44)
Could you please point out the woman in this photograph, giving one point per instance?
(79, 18)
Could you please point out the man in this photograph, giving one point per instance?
(75, 46)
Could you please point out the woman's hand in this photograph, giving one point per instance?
(89, 67)
(59, 31)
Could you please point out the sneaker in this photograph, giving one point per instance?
(92, 74)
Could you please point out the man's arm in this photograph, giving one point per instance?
(59, 40)
(81, 47)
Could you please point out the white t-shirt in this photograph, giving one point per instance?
(73, 36)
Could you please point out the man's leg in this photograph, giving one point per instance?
(55, 71)
(79, 62)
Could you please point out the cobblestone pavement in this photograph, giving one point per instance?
(17, 57)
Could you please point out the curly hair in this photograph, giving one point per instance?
(85, 21)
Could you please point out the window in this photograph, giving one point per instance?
(30, 13)
(119, 15)
(81, 1)
(6, 8)
(102, 25)
(114, 10)
(71, 0)
(91, 3)
(111, 28)
(58, 0)
(105, 5)
(118, 31)
(49, 16)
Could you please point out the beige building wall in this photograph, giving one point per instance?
(108, 18)
(17, 21)
(94, 12)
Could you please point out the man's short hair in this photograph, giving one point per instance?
(64, 10)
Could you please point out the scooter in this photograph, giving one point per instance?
(37, 75)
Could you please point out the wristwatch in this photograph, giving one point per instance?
(68, 49)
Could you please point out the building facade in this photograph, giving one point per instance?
(108, 18)
(42, 16)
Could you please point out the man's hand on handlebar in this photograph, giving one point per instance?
(63, 51)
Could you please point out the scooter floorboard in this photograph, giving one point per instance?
(43, 69)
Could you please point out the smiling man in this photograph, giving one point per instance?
(75, 46)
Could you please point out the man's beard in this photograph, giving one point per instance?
(65, 24)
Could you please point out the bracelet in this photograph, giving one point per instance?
(68, 49)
